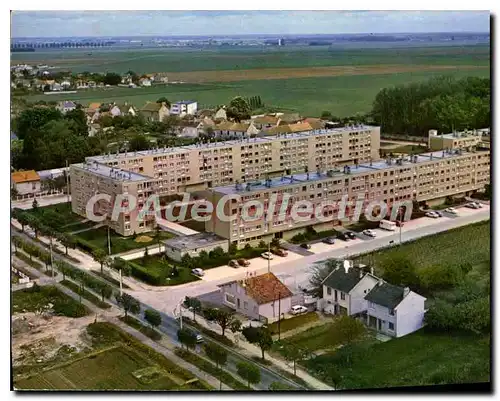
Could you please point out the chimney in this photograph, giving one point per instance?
(406, 291)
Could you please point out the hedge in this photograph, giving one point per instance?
(145, 275)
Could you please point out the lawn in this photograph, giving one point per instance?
(420, 358)
(86, 294)
(60, 217)
(294, 322)
(98, 238)
(120, 363)
(136, 324)
(37, 298)
(467, 244)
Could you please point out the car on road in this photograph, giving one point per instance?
(305, 246)
(343, 237)
(370, 233)
(329, 241)
(279, 252)
(243, 262)
(450, 210)
(350, 234)
(198, 272)
(474, 205)
(267, 255)
(233, 263)
(298, 309)
(433, 215)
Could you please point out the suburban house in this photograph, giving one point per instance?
(184, 107)
(315, 123)
(66, 106)
(277, 130)
(187, 129)
(229, 129)
(263, 122)
(192, 245)
(262, 297)
(344, 291)
(66, 84)
(122, 110)
(204, 124)
(220, 114)
(393, 310)
(161, 77)
(145, 82)
(153, 111)
(288, 118)
(26, 182)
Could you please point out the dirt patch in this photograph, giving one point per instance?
(306, 72)
(37, 338)
(143, 238)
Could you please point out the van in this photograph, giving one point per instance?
(388, 225)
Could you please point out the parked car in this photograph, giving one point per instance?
(439, 214)
(199, 338)
(329, 241)
(451, 210)
(298, 309)
(305, 246)
(474, 205)
(267, 255)
(279, 252)
(343, 237)
(434, 215)
(243, 262)
(350, 234)
(370, 233)
(233, 263)
(198, 272)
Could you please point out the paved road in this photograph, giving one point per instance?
(43, 201)
(296, 272)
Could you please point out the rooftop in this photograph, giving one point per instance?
(112, 172)
(185, 102)
(25, 176)
(386, 294)
(344, 281)
(465, 134)
(194, 241)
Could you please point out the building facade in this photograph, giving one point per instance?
(184, 107)
(457, 140)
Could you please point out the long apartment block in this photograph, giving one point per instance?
(423, 177)
(171, 171)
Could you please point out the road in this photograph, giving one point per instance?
(42, 201)
(296, 272)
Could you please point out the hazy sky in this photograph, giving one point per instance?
(132, 23)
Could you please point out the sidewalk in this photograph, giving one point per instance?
(250, 350)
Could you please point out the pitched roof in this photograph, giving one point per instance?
(266, 288)
(315, 123)
(25, 176)
(94, 106)
(239, 127)
(300, 127)
(206, 113)
(280, 129)
(224, 126)
(151, 106)
(342, 281)
(386, 294)
(291, 117)
(266, 120)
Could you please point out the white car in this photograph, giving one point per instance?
(474, 205)
(198, 272)
(298, 309)
(434, 215)
(450, 210)
(370, 233)
(267, 255)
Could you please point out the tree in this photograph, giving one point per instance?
(293, 353)
(216, 253)
(400, 270)
(218, 355)
(17, 242)
(21, 216)
(67, 240)
(153, 317)
(138, 142)
(262, 244)
(238, 109)
(235, 326)
(349, 328)
(319, 272)
(278, 386)
(223, 318)
(128, 303)
(275, 243)
(233, 248)
(210, 314)
(260, 336)
(193, 304)
(64, 268)
(100, 257)
(105, 290)
(157, 237)
(32, 119)
(187, 338)
(326, 115)
(163, 99)
(249, 372)
(112, 78)
(34, 205)
(187, 261)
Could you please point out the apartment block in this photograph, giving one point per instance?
(457, 140)
(425, 177)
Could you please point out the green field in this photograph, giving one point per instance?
(119, 363)
(185, 60)
(417, 359)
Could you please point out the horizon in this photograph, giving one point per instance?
(75, 24)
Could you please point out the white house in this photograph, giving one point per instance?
(184, 107)
(344, 291)
(262, 297)
(26, 182)
(229, 130)
(66, 106)
(192, 245)
(393, 310)
(220, 114)
(145, 82)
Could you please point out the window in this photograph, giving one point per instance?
(328, 290)
(230, 299)
(371, 305)
(391, 326)
(342, 296)
(391, 312)
(245, 305)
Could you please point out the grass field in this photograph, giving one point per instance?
(341, 95)
(293, 322)
(244, 58)
(119, 363)
(417, 359)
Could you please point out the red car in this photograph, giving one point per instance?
(243, 262)
(279, 252)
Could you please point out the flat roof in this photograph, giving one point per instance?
(112, 172)
(185, 102)
(194, 241)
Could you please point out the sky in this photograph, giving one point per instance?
(166, 23)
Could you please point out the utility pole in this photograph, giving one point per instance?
(67, 180)
(121, 283)
(51, 258)
(180, 313)
(269, 257)
(400, 224)
(279, 315)
(109, 242)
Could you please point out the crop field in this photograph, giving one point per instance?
(341, 95)
(246, 58)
